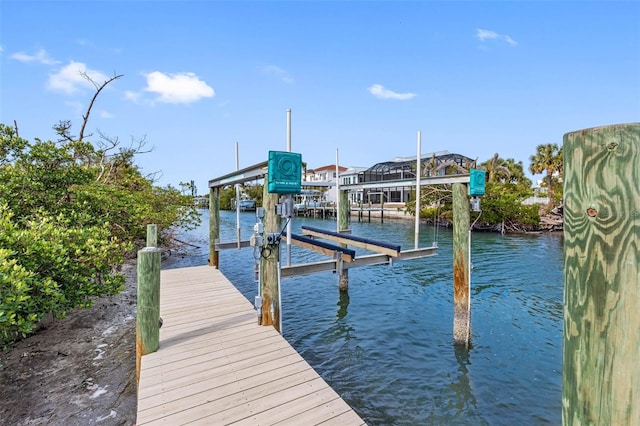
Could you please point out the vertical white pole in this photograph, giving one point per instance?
(237, 198)
(288, 129)
(418, 173)
(289, 222)
(337, 191)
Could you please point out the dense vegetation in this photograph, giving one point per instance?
(70, 212)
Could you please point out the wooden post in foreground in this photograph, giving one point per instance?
(214, 226)
(601, 347)
(269, 262)
(461, 306)
(152, 235)
(148, 304)
(343, 225)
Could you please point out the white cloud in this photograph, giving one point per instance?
(70, 78)
(181, 88)
(105, 114)
(509, 40)
(278, 72)
(380, 92)
(484, 35)
(41, 57)
(132, 96)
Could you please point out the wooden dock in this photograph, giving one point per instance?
(217, 366)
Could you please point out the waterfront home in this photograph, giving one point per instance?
(355, 179)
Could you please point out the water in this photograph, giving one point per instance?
(386, 346)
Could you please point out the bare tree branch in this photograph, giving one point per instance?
(153, 177)
(85, 117)
(115, 160)
(453, 164)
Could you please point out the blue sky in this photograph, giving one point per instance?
(474, 77)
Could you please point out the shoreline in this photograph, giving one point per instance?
(76, 370)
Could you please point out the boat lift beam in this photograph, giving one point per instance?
(425, 180)
(257, 171)
(365, 243)
(232, 245)
(347, 255)
(333, 265)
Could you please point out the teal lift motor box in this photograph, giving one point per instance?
(284, 172)
(476, 182)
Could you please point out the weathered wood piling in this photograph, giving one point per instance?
(461, 304)
(214, 226)
(148, 299)
(601, 350)
(269, 262)
(343, 225)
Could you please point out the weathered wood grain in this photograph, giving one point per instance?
(601, 351)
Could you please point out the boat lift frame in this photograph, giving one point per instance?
(343, 260)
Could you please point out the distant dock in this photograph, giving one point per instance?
(216, 366)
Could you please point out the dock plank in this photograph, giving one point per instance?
(215, 365)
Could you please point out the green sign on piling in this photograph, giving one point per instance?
(284, 172)
(476, 182)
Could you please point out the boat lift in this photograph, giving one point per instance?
(267, 238)
(386, 253)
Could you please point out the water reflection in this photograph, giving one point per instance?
(464, 400)
(343, 304)
(341, 330)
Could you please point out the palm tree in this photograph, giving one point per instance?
(496, 169)
(548, 158)
(516, 173)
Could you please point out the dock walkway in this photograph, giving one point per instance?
(216, 366)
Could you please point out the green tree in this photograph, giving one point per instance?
(69, 214)
(548, 158)
(507, 187)
(502, 205)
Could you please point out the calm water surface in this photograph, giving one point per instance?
(386, 346)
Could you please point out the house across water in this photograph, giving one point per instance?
(399, 169)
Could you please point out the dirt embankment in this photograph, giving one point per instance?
(76, 371)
